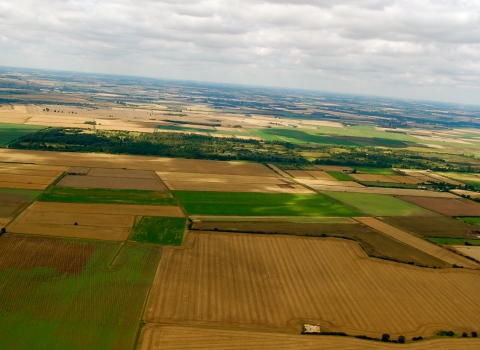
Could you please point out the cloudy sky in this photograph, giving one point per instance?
(407, 48)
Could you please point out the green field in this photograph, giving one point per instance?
(340, 176)
(261, 204)
(348, 136)
(159, 230)
(472, 220)
(11, 132)
(88, 296)
(375, 171)
(106, 196)
(379, 204)
(455, 241)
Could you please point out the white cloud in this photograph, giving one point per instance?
(401, 48)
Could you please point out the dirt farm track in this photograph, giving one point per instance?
(253, 282)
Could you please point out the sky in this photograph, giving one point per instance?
(416, 49)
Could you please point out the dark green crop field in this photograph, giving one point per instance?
(11, 132)
(61, 294)
(261, 204)
(159, 230)
(106, 196)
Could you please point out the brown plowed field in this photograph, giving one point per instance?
(80, 170)
(115, 209)
(98, 160)
(279, 282)
(446, 206)
(404, 179)
(299, 174)
(119, 183)
(307, 174)
(94, 221)
(27, 253)
(439, 226)
(419, 243)
(374, 243)
(155, 337)
(332, 167)
(137, 174)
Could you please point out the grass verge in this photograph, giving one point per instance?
(159, 230)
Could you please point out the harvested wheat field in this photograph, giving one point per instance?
(156, 337)
(97, 160)
(314, 183)
(122, 183)
(229, 183)
(308, 174)
(257, 282)
(473, 252)
(94, 221)
(27, 176)
(419, 243)
(446, 206)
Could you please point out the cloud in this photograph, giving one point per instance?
(415, 48)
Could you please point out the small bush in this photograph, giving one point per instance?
(417, 338)
(4, 230)
(464, 335)
(385, 337)
(401, 339)
(446, 333)
(474, 334)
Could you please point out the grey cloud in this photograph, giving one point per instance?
(375, 45)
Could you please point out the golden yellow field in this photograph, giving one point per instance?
(156, 337)
(277, 283)
(94, 221)
(28, 176)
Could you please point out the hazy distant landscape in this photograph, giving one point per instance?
(160, 214)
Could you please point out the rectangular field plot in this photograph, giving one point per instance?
(373, 243)
(93, 221)
(379, 205)
(279, 282)
(60, 294)
(11, 132)
(115, 179)
(446, 206)
(106, 196)
(229, 183)
(439, 226)
(157, 337)
(261, 204)
(28, 176)
(169, 231)
(13, 201)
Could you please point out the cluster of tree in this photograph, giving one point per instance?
(196, 146)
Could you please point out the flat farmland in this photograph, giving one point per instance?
(379, 205)
(279, 282)
(11, 132)
(93, 221)
(159, 230)
(446, 206)
(229, 183)
(28, 176)
(107, 196)
(418, 243)
(156, 337)
(373, 178)
(119, 179)
(372, 242)
(439, 226)
(98, 160)
(340, 187)
(61, 294)
(473, 252)
(261, 204)
(13, 201)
